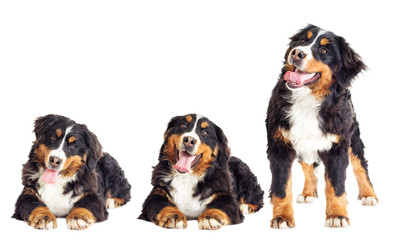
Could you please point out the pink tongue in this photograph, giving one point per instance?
(184, 162)
(50, 176)
(292, 77)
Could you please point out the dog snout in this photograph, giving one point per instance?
(55, 162)
(297, 55)
(189, 142)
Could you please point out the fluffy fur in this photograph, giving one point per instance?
(216, 190)
(311, 118)
(87, 180)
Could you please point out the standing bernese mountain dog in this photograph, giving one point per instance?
(311, 118)
(196, 178)
(68, 175)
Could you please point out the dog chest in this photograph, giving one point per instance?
(58, 202)
(305, 133)
(182, 189)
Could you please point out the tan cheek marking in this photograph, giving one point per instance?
(41, 154)
(321, 87)
(72, 165)
(170, 148)
(206, 160)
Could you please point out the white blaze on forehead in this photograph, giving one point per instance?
(306, 49)
(59, 153)
(192, 134)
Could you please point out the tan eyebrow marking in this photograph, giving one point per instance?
(324, 41)
(310, 34)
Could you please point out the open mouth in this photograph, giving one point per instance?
(185, 161)
(298, 78)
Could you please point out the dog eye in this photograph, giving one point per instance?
(205, 132)
(324, 51)
(183, 125)
(73, 145)
(53, 138)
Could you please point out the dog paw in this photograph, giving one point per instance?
(282, 223)
(80, 219)
(42, 218)
(212, 219)
(172, 218)
(248, 208)
(114, 202)
(369, 201)
(337, 222)
(305, 199)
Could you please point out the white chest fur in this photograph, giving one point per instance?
(305, 133)
(182, 190)
(53, 196)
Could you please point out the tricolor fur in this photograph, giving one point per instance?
(311, 118)
(196, 178)
(68, 175)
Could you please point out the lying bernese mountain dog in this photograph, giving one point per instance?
(68, 175)
(311, 118)
(196, 178)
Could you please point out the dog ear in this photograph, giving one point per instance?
(172, 122)
(95, 148)
(42, 122)
(351, 64)
(224, 151)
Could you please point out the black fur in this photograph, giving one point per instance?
(98, 178)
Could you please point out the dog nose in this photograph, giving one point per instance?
(55, 162)
(297, 55)
(189, 142)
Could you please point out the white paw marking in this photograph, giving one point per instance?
(369, 201)
(78, 224)
(110, 203)
(244, 208)
(210, 224)
(305, 199)
(283, 225)
(41, 224)
(336, 222)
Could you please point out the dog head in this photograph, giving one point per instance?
(318, 59)
(63, 147)
(193, 144)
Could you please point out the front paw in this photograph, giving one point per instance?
(337, 222)
(282, 222)
(171, 217)
(42, 218)
(80, 219)
(212, 219)
(369, 200)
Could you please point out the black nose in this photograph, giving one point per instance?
(189, 142)
(55, 162)
(297, 55)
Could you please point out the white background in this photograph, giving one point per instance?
(124, 68)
